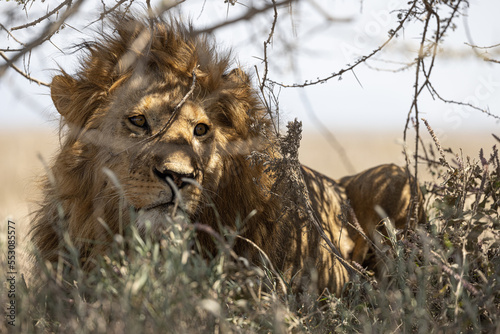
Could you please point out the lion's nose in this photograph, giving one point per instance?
(176, 178)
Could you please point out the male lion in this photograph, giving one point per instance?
(157, 124)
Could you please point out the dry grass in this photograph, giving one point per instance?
(444, 278)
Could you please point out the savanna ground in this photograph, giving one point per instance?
(443, 278)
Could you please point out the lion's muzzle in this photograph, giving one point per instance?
(179, 179)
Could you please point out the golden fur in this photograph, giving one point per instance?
(141, 145)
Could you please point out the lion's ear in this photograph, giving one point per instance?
(238, 76)
(74, 99)
(62, 89)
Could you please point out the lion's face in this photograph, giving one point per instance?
(163, 167)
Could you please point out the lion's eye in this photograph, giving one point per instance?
(138, 120)
(200, 129)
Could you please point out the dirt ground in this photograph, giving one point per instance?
(22, 167)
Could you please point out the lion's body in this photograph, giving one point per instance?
(389, 188)
(158, 125)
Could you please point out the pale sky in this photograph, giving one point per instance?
(305, 47)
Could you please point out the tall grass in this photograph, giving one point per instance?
(445, 277)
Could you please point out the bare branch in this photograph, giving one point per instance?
(483, 55)
(482, 47)
(418, 90)
(263, 81)
(492, 60)
(461, 103)
(106, 12)
(50, 30)
(266, 43)
(329, 136)
(46, 16)
(11, 35)
(18, 70)
(361, 60)
(251, 12)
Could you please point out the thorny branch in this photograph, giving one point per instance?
(47, 33)
(106, 12)
(361, 60)
(426, 48)
(266, 44)
(73, 7)
(469, 105)
(251, 12)
(414, 106)
(482, 55)
(11, 35)
(262, 82)
(43, 18)
(18, 70)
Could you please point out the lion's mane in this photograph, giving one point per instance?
(79, 199)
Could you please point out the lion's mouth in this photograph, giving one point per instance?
(165, 206)
(172, 206)
(166, 201)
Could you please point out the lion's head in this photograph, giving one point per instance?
(157, 124)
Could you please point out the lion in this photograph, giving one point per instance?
(158, 125)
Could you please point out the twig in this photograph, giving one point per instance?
(418, 90)
(11, 50)
(245, 17)
(18, 70)
(266, 43)
(462, 103)
(482, 47)
(359, 61)
(492, 60)
(45, 35)
(329, 136)
(11, 35)
(262, 82)
(109, 11)
(40, 19)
